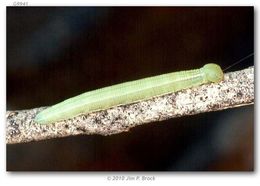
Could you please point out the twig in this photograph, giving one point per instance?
(236, 90)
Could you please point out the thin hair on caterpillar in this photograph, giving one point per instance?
(239, 61)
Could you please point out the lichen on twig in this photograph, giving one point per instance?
(236, 90)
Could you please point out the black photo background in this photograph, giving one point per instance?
(54, 53)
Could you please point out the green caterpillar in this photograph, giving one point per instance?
(130, 92)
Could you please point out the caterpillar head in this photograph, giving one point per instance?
(213, 73)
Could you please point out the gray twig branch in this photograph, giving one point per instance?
(236, 90)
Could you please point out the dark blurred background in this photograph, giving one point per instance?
(54, 53)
